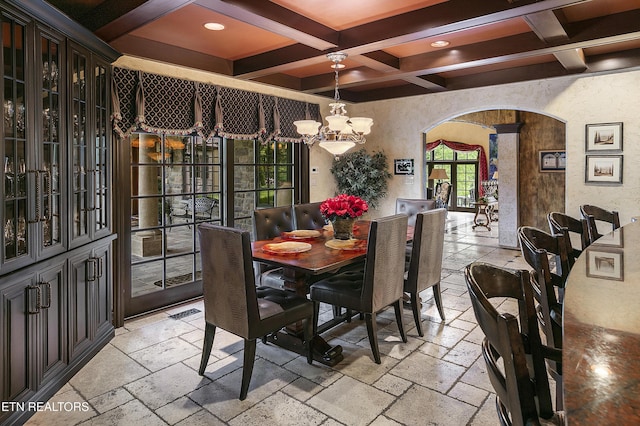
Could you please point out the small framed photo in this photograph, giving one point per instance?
(605, 263)
(604, 137)
(552, 161)
(603, 169)
(403, 166)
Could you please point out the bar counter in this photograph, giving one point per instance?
(601, 323)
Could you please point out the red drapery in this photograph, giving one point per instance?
(459, 146)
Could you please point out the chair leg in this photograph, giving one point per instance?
(438, 298)
(372, 330)
(309, 336)
(397, 306)
(209, 334)
(316, 314)
(415, 307)
(247, 366)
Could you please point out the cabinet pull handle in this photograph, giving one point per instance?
(47, 297)
(92, 265)
(48, 216)
(31, 307)
(100, 265)
(37, 218)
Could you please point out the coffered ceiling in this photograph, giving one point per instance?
(389, 42)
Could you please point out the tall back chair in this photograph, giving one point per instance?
(594, 215)
(534, 244)
(233, 303)
(271, 222)
(412, 206)
(512, 348)
(424, 269)
(379, 286)
(560, 223)
(443, 193)
(267, 224)
(308, 216)
(555, 246)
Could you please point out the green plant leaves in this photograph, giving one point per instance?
(362, 174)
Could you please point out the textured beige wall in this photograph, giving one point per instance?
(576, 101)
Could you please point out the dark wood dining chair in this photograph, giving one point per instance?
(595, 215)
(379, 285)
(233, 303)
(308, 216)
(548, 289)
(270, 223)
(424, 268)
(560, 222)
(512, 348)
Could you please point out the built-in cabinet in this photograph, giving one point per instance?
(55, 246)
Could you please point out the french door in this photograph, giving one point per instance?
(179, 182)
(462, 170)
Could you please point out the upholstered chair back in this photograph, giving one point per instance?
(425, 265)
(308, 216)
(228, 279)
(412, 206)
(271, 222)
(384, 267)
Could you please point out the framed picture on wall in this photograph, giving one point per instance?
(552, 161)
(603, 169)
(403, 166)
(604, 137)
(608, 264)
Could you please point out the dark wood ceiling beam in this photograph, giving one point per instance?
(346, 78)
(276, 19)
(433, 82)
(278, 61)
(144, 48)
(621, 27)
(378, 60)
(572, 59)
(548, 28)
(437, 20)
(130, 15)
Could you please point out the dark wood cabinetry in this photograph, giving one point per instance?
(55, 245)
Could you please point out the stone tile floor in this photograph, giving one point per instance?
(147, 374)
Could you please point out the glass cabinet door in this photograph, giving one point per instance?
(16, 217)
(101, 195)
(79, 148)
(49, 203)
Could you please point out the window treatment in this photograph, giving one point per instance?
(459, 146)
(173, 106)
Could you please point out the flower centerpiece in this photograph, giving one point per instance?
(342, 211)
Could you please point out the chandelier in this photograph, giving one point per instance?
(342, 133)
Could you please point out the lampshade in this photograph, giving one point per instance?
(438, 174)
(495, 175)
(307, 127)
(337, 147)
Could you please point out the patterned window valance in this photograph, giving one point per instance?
(168, 105)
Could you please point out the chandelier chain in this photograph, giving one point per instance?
(336, 94)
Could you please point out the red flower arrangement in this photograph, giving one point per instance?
(343, 206)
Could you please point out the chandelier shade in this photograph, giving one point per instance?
(341, 132)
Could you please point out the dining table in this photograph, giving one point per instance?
(323, 257)
(601, 332)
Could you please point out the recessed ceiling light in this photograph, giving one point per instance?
(214, 26)
(440, 43)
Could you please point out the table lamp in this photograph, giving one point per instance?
(438, 174)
